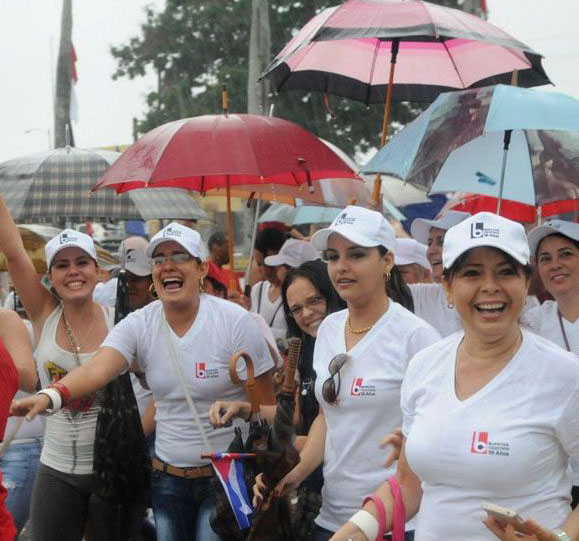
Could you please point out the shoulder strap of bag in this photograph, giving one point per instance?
(181, 378)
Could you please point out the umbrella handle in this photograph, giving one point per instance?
(295, 345)
(249, 382)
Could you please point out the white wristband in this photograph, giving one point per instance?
(366, 522)
(55, 398)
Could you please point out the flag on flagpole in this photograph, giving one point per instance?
(229, 470)
(73, 114)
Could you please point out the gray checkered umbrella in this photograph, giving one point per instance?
(48, 186)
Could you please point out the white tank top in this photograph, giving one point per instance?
(69, 436)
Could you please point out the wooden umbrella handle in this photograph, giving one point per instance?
(249, 382)
(293, 356)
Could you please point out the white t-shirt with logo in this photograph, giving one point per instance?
(509, 443)
(272, 312)
(220, 329)
(368, 407)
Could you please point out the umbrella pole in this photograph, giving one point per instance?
(253, 238)
(386, 119)
(507, 141)
(232, 281)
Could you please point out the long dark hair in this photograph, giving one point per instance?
(396, 287)
(317, 274)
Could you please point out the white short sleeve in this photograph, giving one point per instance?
(568, 426)
(124, 338)
(247, 337)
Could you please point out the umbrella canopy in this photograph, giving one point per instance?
(35, 236)
(47, 186)
(346, 50)
(209, 152)
(501, 141)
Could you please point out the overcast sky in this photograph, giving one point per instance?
(29, 32)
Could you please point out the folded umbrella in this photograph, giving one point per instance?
(272, 518)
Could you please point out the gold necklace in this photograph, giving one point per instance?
(357, 331)
(75, 343)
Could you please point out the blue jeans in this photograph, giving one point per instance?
(323, 535)
(19, 464)
(182, 508)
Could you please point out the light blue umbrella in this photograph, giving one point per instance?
(503, 141)
(315, 215)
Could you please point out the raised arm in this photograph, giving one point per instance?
(86, 379)
(37, 301)
(16, 340)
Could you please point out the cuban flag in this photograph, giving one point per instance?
(230, 473)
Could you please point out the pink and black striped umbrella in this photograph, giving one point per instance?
(347, 51)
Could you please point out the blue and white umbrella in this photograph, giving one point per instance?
(502, 141)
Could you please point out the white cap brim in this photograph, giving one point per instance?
(320, 238)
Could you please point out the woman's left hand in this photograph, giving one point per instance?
(528, 530)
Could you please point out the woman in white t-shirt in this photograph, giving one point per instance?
(183, 343)
(68, 328)
(555, 245)
(490, 414)
(360, 358)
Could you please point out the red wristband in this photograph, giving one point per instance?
(381, 510)
(63, 390)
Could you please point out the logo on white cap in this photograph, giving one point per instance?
(171, 231)
(479, 231)
(343, 219)
(185, 236)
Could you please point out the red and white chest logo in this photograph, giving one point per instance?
(202, 372)
(479, 443)
(482, 444)
(359, 388)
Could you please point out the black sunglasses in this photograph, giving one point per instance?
(329, 391)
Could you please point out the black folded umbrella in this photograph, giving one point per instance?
(272, 518)
(223, 521)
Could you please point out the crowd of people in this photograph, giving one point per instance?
(434, 344)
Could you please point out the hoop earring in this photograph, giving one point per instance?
(387, 276)
(153, 291)
(201, 285)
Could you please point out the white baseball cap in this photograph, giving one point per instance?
(567, 229)
(409, 251)
(137, 262)
(67, 239)
(294, 252)
(361, 226)
(421, 227)
(185, 236)
(485, 229)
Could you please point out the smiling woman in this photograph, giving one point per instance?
(182, 342)
(68, 328)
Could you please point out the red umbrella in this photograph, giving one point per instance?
(226, 151)
(346, 50)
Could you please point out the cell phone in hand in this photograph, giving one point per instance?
(502, 514)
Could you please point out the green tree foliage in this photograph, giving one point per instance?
(195, 47)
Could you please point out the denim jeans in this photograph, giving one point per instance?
(182, 508)
(323, 535)
(19, 464)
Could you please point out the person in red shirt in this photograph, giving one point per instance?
(16, 370)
